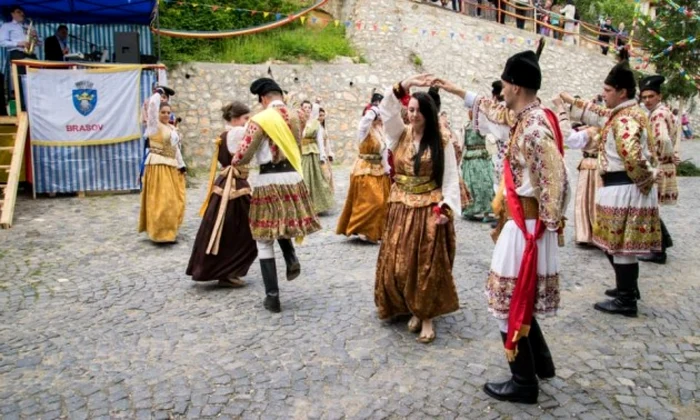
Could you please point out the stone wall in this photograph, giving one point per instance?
(469, 51)
(202, 89)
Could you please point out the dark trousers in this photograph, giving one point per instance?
(520, 23)
(501, 5)
(21, 70)
(605, 50)
(3, 104)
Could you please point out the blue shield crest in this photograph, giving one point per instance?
(84, 100)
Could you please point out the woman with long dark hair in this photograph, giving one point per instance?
(224, 248)
(414, 268)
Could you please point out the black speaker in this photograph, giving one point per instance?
(126, 47)
(149, 59)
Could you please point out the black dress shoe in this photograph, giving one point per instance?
(618, 306)
(656, 258)
(613, 293)
(513, 391)
(272, 304)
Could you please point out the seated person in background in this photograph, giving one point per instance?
(56, 46)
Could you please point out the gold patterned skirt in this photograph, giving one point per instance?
(627, 221)
(668, 184)
(281, 208)
(365, 208)
(162, 202)
(414, 268)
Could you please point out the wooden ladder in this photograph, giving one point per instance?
(8, 191)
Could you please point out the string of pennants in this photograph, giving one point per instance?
(377, 27)
(647, 24)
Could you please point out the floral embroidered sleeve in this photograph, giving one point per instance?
(589, 113)
(662, 135)
(547, 172)
(248, 145)
(489, 116)
(628, 134)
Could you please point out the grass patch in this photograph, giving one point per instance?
(687, 168)
(293, 45)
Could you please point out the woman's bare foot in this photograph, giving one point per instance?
(427, 334)
(414, 324)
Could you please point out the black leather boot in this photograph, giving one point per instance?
(290, 258)
(666, 242)
(544, 365)
(613, 292)
(272, 291)
(522, 386)
(626, 301)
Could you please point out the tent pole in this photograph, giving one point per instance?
(158, 26)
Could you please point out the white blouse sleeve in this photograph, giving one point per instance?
(153, 112)
(365, 124)
(233, 137)
(450, 181)
(319, 142)
(577, 139)
(175, 142)
(390, 111)
(327, 144)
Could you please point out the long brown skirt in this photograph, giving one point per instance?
(365, 208)
(237, 249)
(414, 268)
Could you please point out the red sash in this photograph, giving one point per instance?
(522, 301)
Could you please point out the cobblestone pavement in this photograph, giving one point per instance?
(98, 322)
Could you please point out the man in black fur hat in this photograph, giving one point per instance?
(532, 214)
(665, 129)
(627, 214)
(281, 207)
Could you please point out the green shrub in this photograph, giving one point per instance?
(292, 42)
(687, 168)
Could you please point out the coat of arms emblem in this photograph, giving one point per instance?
(84, 97)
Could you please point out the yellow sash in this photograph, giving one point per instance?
(212, 174)
(274, 125)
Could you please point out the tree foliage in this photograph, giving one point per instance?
(674, 26)
(617, 10)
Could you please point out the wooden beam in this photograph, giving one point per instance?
(8, 207)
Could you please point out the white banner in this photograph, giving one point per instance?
(83, 107)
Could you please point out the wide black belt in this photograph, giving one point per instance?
(590, 155)
(616, 178)
(271, 168)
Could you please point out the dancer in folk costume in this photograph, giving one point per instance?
(281, 208)
(447, 133)
(586, 139)
(313, 157)
(364, 213)
(224, 248)
(524, 279)
(665, 133)
(627, 212)
(414, 267)
(327, 166)
(477, 165)
(163, 186)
